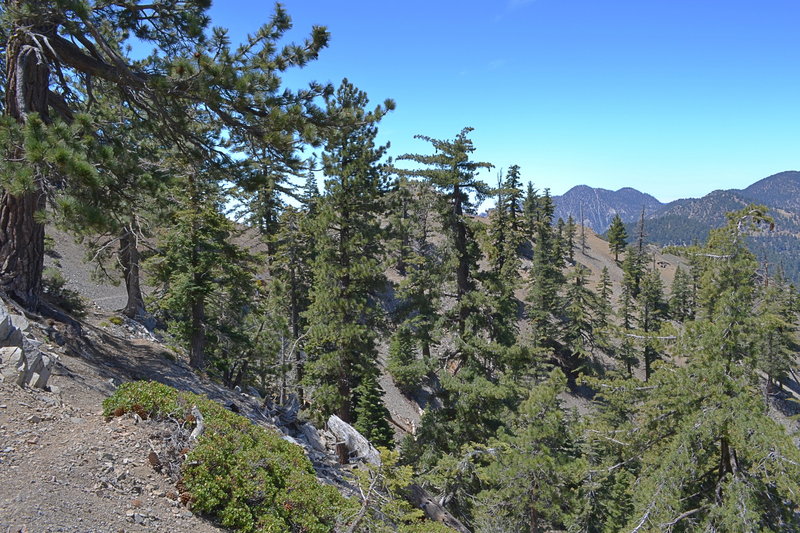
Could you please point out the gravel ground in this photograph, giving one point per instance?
(64, 468)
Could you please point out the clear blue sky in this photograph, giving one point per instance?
(674, 97)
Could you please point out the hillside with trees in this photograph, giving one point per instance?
(688, 221)
(558, 381)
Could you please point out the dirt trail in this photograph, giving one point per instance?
(64, 468)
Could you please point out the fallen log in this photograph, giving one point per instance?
(419, 497)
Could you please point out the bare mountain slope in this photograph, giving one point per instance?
(600, 205)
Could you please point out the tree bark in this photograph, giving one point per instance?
(129, 257)
(21, 235)
(21, 247)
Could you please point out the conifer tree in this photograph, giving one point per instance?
(372, 416)
(546, 278)
(513, 199)
(419, 292)
(530, 211)
(504, 231)
(530, 476)
(205, 279)
(578, 327)
(569, 239)
(603, 309)
(291, 279)
(347, 273)
(626, 310)
(708, 455)
(776, 337)
(632, 270)
(56, 49)
(681, 300)
(560, 244)
(617, 236)
(652, 310)
(453, 174)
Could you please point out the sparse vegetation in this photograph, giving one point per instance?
(54, 286)
(246, 476)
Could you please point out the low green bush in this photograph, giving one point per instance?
(246, 476)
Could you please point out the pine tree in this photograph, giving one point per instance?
(530, 473)
(546, 278)
(603, 309)
(453, 174)
(406, 368)
(290, 285)
(705, 453)
(56, 49)
(419, 293)
(513, 199)
(626, 352)
(578, 326)
(681, 301)
(569, 239)
(205, 279)
(652, 310)
(372, 416)
(776, 337)
(530, 211)
(347, 273)
(632, 270)
(617, 236)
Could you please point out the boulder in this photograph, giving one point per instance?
(39, 368)
(21, 361)
(311, 436)
(6, 327)
(14, 364)
(357, 444)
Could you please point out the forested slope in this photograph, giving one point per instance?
(495, 322)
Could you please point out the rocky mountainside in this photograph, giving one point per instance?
(600, 205)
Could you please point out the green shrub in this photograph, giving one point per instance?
(245, 475)
(117, 321)
(403, 365)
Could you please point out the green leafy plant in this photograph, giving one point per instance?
(246, 476)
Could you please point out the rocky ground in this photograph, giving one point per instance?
(64, 468)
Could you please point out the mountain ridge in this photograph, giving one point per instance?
(599, 205)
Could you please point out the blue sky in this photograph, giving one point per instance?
(674, 97)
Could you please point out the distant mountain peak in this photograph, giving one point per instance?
(599, 205)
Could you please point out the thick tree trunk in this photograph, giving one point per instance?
(21, 247)
(21, 235)
(129, 257)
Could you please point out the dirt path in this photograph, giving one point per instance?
(64, 468)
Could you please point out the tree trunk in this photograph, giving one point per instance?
(129, 258)
(462, 270)
(21, 236)
(21, 247)
(432, 509)
(197, 343)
